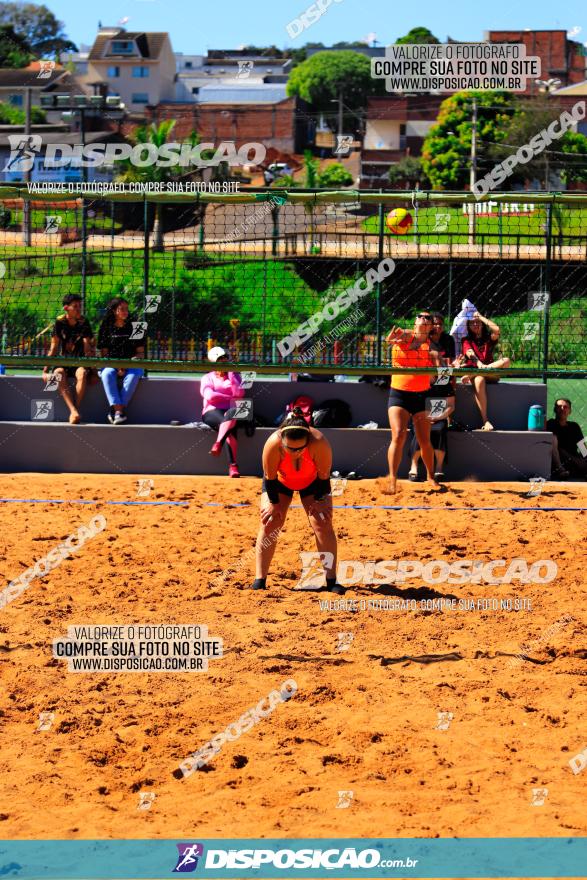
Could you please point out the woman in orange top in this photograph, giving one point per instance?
(407, 395)
(296, 458)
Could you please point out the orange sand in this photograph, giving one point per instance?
(356, 723)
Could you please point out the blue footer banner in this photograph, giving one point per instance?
(276, 858)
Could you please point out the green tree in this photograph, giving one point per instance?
(418, 35)
(38, 26)
(407, 173)
(447, 147)
(334, 176)
(325, 76)
(14, 50)
(565, 155)
(574, 146)
(10, 115)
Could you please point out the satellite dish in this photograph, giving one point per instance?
(574, 32)
(124, 20)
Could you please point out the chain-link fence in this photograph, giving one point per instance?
(247, 271)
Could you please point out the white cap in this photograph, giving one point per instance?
(215, 353)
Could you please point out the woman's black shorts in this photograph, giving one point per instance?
(412, 401)
(285, 490)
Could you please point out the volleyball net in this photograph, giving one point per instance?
(298, 280)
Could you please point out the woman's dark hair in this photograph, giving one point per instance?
(485, 333)
(110, 313)
(295, 425)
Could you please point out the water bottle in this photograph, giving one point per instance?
(2, 370)
(536, 418)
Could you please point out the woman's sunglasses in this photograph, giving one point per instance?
(294, 448)
(425, 317)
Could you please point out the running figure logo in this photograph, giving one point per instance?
(442, 223)
(52, 223)
(530, 331)
(45, 69)
(52, 383)
(42, 410)
(245, 69)
(23, 152)
(344, 799)
(539, 795)
(243, 409)
(152, 304)
(436, 407)
(146, 798)
(247, 379)
(538, 302)
(187, 861)
(536, 487)
(444, 719)
(144, 487)
(443, 377)
(338, 485)
(344, 641)
(313, 565)
(344, 143)
(46, 720)
(139, 328)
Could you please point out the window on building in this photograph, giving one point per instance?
(113, 72)
(15, 100)
(195, 90)
(140, 72)
(123, 47)
(402, 136)
(188, 64)
(139, 98)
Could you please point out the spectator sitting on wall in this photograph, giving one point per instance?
(440, 340)
(220, 390)
(115, 341)
(72, 337)
(566, 458)
(478, 348)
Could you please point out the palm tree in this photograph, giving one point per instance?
(154, 173)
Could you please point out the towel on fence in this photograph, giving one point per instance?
(459, 326)
(201, 426)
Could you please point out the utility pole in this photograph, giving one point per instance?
(473, 171)
(340, 114)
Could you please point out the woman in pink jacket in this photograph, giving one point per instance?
(220, 390)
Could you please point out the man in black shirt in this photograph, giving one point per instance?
(72, 337)
(567, 460)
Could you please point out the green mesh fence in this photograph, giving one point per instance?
(245, 271)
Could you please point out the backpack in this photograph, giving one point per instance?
(333, 414)
(305, 403)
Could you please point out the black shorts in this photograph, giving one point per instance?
(285, 490)
(71, 371)
(412, 401)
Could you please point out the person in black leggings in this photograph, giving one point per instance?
(220, 391)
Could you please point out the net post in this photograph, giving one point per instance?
(378, 285)
(84, 253)
(145, 252)
(547, 265)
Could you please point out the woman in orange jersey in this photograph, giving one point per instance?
(296, 457)
(408, 392)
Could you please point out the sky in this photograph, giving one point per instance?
(198, 25)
